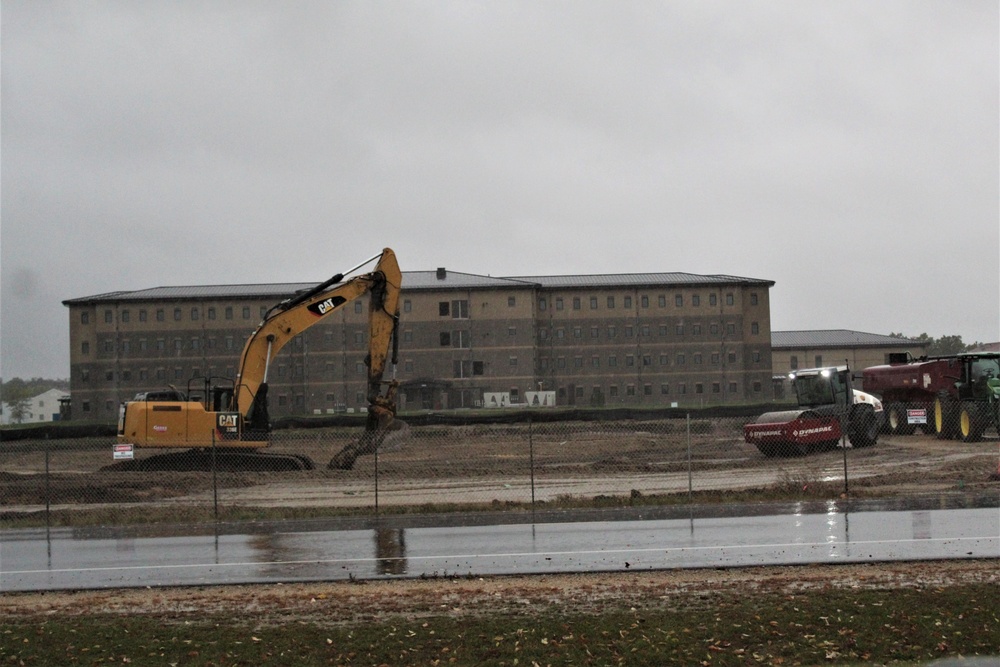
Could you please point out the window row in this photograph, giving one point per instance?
(612, 331)
(195, 313)
(611, 301)
(632, 360)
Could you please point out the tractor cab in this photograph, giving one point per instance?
(823, 387)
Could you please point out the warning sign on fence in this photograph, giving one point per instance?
(123, 452)
(916, 416)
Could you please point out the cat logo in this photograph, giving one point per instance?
(329, 305)
(228, 421)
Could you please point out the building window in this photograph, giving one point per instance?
(716, 388)
(754, 328)
(559, 303)
(613, 391)
(194, 314)
(511, 302)
(628, 331)
(357, 307)
(679, 330)
(125, 316)
(229, 312)
(682, 388)
(680, 359)
(627, 302)
(732, 388)
(793, 362)
(647, 360)
(679, 300)
(697, 358)
(595, 332)
(511, 331)
(85, 317)
(108, 317)
(695, 300)
(753, 298)
(576, 303)
(819, 360)
(177, 314)
(577, 332)
(577, 362)
(611, 303)
(756, 387)
(445, 338)
(664, 360)
(756, 357)
(630, 390)
(696, 330)
(593, 303)
(85, 347)
(460, 338)
(613, 361)
(595, 361)
(699, 388)
(407, 306)
(246, 312)
(629, 360)
(729, 299)
(513, 361)
(644, 301)
(732, 357)
(612, 331)
(542, 305)
(647, 389)
(715, 359)
(160, 315)
(730, 329)
(85, 375)
(713, 329)
(661, 301)
(713, 300)
(664, 389)
(211, 312)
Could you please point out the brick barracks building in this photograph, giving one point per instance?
(651, 339)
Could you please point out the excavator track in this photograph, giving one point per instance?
(228, 460)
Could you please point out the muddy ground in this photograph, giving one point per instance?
(490, 464)
(347, 603)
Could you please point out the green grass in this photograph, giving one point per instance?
(832, 627)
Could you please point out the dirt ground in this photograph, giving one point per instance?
(497, 464)
(347, 603)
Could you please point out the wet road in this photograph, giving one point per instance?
(68, 559)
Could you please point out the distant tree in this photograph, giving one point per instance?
(945, 345)
(18, 409)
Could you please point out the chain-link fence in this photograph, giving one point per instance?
(513, 467)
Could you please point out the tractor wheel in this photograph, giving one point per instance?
(971, 422)
(863, 428)
(944, 419)
(896, 421)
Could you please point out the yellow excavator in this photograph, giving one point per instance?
(231, 415)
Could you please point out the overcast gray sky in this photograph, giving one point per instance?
(846, 150)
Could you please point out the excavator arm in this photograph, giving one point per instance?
(293, 316)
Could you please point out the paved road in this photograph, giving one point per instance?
(68, 559)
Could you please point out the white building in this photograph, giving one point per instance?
(41, 408)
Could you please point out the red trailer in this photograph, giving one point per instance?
(953, 396)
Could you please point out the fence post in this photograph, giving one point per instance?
(215, 485)
(843, 447)
(48, 501)
(531, 465)
(376, 481)
(690, 480)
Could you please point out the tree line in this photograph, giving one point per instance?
(945, 345)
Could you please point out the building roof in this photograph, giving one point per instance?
(835, 338)
(441, 279)
(642, 280)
